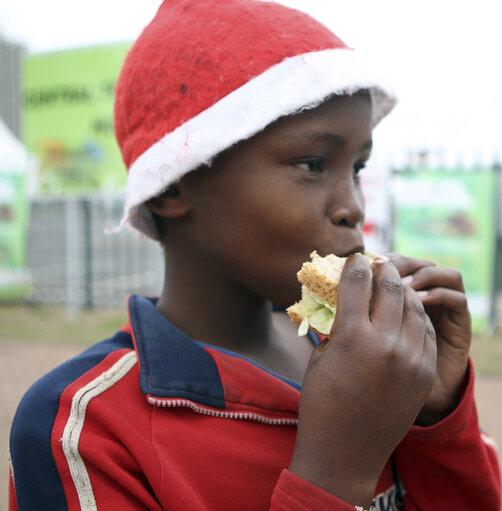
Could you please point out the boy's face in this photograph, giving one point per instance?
(265, 204)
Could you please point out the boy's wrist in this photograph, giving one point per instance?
(348, 488)
(429, 416)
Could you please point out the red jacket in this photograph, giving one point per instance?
(151, 419)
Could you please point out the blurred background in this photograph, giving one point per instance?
(432, 186)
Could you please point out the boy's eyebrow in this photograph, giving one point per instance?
(327, 136)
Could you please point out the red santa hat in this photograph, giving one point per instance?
(205, 74)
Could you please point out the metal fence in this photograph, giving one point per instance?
(73, 261)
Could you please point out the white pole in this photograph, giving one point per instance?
(72, 259)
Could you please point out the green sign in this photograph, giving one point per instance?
(13, 226)
(68, 118)
(450, 218)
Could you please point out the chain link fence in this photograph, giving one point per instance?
(73, 261)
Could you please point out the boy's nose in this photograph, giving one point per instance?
(347, 209)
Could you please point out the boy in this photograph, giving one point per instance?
(208, 400)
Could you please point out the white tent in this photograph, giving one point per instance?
(15, 158)
(16, 166)
(13, 155)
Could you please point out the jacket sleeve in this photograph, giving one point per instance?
(292, 493)
(453, 462)
(64, 449)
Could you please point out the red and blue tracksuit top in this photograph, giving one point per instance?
(153, 420)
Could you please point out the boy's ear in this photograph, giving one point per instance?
(172, 203)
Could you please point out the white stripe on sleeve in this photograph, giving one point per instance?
(75, 424)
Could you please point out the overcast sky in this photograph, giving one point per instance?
(443, 56)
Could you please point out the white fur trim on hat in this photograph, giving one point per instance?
(296, 83)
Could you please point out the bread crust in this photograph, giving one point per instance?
(320, 275)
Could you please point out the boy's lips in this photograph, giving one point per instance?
(354, 250)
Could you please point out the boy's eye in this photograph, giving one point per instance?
(314, 164)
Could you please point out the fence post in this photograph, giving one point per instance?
(87, 239)
(494, 316)
(72, 258)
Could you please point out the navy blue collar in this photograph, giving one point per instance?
(172, 365)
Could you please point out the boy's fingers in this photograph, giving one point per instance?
(407, 265)
(448, 298)
(430, 343)
(387, 298)
(415, 319)
(433, 276)
(454, 302)
(353, 291)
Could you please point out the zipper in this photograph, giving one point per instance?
(251, 416)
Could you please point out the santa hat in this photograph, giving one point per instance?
(205, 74)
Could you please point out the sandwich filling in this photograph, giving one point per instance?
(316, 312)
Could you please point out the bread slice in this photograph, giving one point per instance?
(319, 278)
(321, 275)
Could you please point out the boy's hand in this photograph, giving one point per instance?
(442, 293)
(365, 385)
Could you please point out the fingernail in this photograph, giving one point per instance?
(422, 294)
(407, 280)
(380, 259)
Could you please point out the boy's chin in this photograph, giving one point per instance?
(285, 300)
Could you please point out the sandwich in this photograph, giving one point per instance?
(319, 278)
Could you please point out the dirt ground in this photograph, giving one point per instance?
(21, 364)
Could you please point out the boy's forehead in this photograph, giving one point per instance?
(329, 121)
(340, 122)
